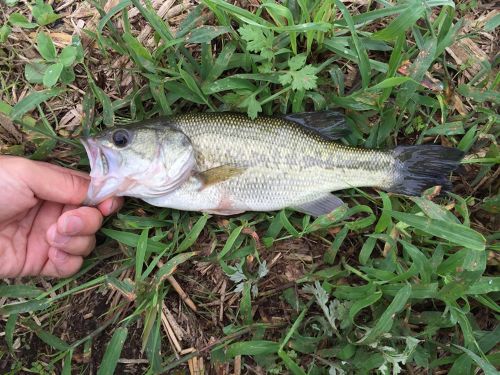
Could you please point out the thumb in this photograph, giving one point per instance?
(54, 183)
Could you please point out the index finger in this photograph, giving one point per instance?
(54, 183)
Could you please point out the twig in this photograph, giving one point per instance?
(188, 301)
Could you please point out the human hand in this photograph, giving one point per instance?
(43, 228)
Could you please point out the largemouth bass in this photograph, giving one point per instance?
(226, 163)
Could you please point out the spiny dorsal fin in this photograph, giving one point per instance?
(218, 174)
(332, 125)
(320, 206)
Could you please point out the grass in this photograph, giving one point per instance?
(389, 285)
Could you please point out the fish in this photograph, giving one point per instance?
(225, 163)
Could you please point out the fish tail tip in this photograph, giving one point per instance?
(423, 166)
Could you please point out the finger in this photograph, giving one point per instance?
(58, 168)
(61, 264)
(53, 183)
(46, 215)
(74, 245)
(110, 206)
(80, 221)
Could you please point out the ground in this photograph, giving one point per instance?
(391, 284)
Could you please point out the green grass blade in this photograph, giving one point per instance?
(384, 323)
(31, 101)
(362, 55)
(193, 234)
(255, 347)
(140, 255)
(414, 11)
(113, 351)
(170, 267)
(457, 234)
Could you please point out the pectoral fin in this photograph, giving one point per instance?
(321, 206)
(218, 174)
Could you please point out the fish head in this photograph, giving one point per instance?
(142, 162)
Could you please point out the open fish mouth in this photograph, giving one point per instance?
(99, 165)
(103, 183)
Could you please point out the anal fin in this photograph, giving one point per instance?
(320, 206)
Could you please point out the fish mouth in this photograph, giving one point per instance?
(99, 165)
(103, 184)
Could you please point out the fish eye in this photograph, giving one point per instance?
(121, 138)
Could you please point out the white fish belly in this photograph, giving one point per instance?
(263, 189)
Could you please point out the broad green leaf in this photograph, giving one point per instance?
(52, 74)
(67, 76)
(113, 351)
(43, 13)
(68, 55)
(492, 23)
(5, 31)
(34, 72)
(45, 46)
(455, 233)
(17, 19)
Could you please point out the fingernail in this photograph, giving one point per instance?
(112, 206)
(72, 225)
(61, 255)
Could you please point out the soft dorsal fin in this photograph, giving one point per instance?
(218, 174)
(330, 124)
(320, 206)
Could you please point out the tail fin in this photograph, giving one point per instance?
(423, 166)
